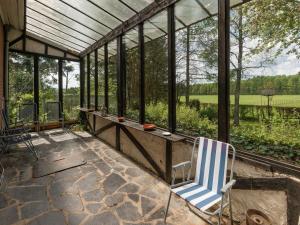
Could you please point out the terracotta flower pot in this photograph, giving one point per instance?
(256, 217)
(121, 119)
(149, 126)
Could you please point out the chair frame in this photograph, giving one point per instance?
(225, 191)
(19, 133)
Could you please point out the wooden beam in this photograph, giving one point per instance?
(143, 151)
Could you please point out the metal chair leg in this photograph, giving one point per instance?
(230, 208)
(168, 205)
(221, 210)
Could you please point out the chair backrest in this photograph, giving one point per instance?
(211, 167)
(53, 111)
(27, 112)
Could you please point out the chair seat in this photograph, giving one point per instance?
(197, 195)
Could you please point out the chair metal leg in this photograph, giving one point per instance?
(221, 210)
(168, 205)
(230, 208)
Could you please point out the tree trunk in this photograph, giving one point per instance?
(67, 81)
(239, 71)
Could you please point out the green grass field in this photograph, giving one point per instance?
(277, 100)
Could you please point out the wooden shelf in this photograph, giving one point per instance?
(157, 132)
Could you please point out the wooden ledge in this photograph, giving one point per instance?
(134, 125)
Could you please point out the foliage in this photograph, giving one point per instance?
(268, 139)
(276, 23)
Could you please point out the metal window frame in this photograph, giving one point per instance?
(96, 79)
(142, 73)
(88, 81)
(171, 70)
(60, 87)
(223, 70)
(223, 62)
(106, 77)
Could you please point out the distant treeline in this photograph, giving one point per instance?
(281, 84)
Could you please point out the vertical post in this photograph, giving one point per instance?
(96, 79)
(142, 73)
(168, 166)
(106, 77)
(88, 85)
(120, 80)
(187, 89)
(223, 70)
(60, 86)
(5, 75)
(82, 82)
(171, 70)
(36, 86)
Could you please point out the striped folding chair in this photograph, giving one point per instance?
(209, 186)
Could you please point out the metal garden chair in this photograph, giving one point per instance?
(209, 186)
(11, 136)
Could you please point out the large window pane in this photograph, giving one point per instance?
(92, 80)
(101, 77)
(71, 90)
(196, 70)
(132, 74)
(265, 79)
(112, 77)
(156, 70)
(20, 82)
(48, 88)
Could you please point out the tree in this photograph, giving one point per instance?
(67, 69)
(276, 25)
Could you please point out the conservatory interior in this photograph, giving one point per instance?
(129, 112)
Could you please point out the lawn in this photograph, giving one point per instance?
(277, 100)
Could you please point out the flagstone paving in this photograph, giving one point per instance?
(108, 190)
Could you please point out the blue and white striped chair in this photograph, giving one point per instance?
(209, 186)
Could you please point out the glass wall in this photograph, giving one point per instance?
(20, 83)
(196, 68)
(48, 87)
(101, 78)
(71, 90)
(92, 80)
(156, 69)
(130, 42)
(265, 80)
(112, 77)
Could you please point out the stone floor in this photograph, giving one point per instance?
(108, 190)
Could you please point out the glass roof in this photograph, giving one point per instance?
(77, 24)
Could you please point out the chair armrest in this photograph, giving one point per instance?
(228, 186)
(180, 165)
